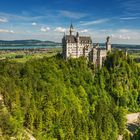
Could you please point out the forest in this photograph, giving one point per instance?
(55, 99)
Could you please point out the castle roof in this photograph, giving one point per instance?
(82, 39)
(70, 38)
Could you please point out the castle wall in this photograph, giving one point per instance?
(94, 57)
(75, 50)
(101, 57)
(77, 46)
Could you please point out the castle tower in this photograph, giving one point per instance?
(108, 44)
(73, 46)
(77, 37)
(71, 29)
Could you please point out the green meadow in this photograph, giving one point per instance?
(22, 56)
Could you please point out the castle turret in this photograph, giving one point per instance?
(71, 29)
(77, 37)
(108, 44)
(78, 42)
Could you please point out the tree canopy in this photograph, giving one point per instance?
(68, 100)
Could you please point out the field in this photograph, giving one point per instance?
(23, 56)
(135, 54)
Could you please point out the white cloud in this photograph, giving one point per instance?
(45, 29)
(74, 15)
(3, 20)
(84, 31)
(60, 29)
(6, 31)
(95, 22)
(119, 36)
(127, 34)
(129, 18)
(124, 37)
(34, 23)
(112, 35)
(21, 18)
(123, 30)
(11, 31)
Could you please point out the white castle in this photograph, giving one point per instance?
(74, 46)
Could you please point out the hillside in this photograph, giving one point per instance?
(126, 46)
(33, 42)
(64, 100)
(28, 43)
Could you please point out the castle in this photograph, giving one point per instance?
(74, 46)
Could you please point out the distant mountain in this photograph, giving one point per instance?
(122, 46)
(33, 42)
(126, 46)
(28, 43)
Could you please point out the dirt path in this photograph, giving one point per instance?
(132, 118)
(30, 136)
(131, 123)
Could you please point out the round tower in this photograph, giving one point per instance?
(108, 44)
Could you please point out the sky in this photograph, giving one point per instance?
(50, 19)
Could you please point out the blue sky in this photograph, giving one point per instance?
(49, 19)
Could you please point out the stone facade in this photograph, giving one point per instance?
(74, 46)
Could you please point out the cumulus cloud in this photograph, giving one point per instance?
(112, 35)
(3, 20)
(122, 34)
(126, 34)
(124, 30)
(119, 36)
(6, 31)
(11, 31)
(45, 29)
(60, 29)
(124, 37)
(34, 23)
(84, 31)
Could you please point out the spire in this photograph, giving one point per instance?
(108, 39)
(71, 28)
(64, 34)
(77, 35)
